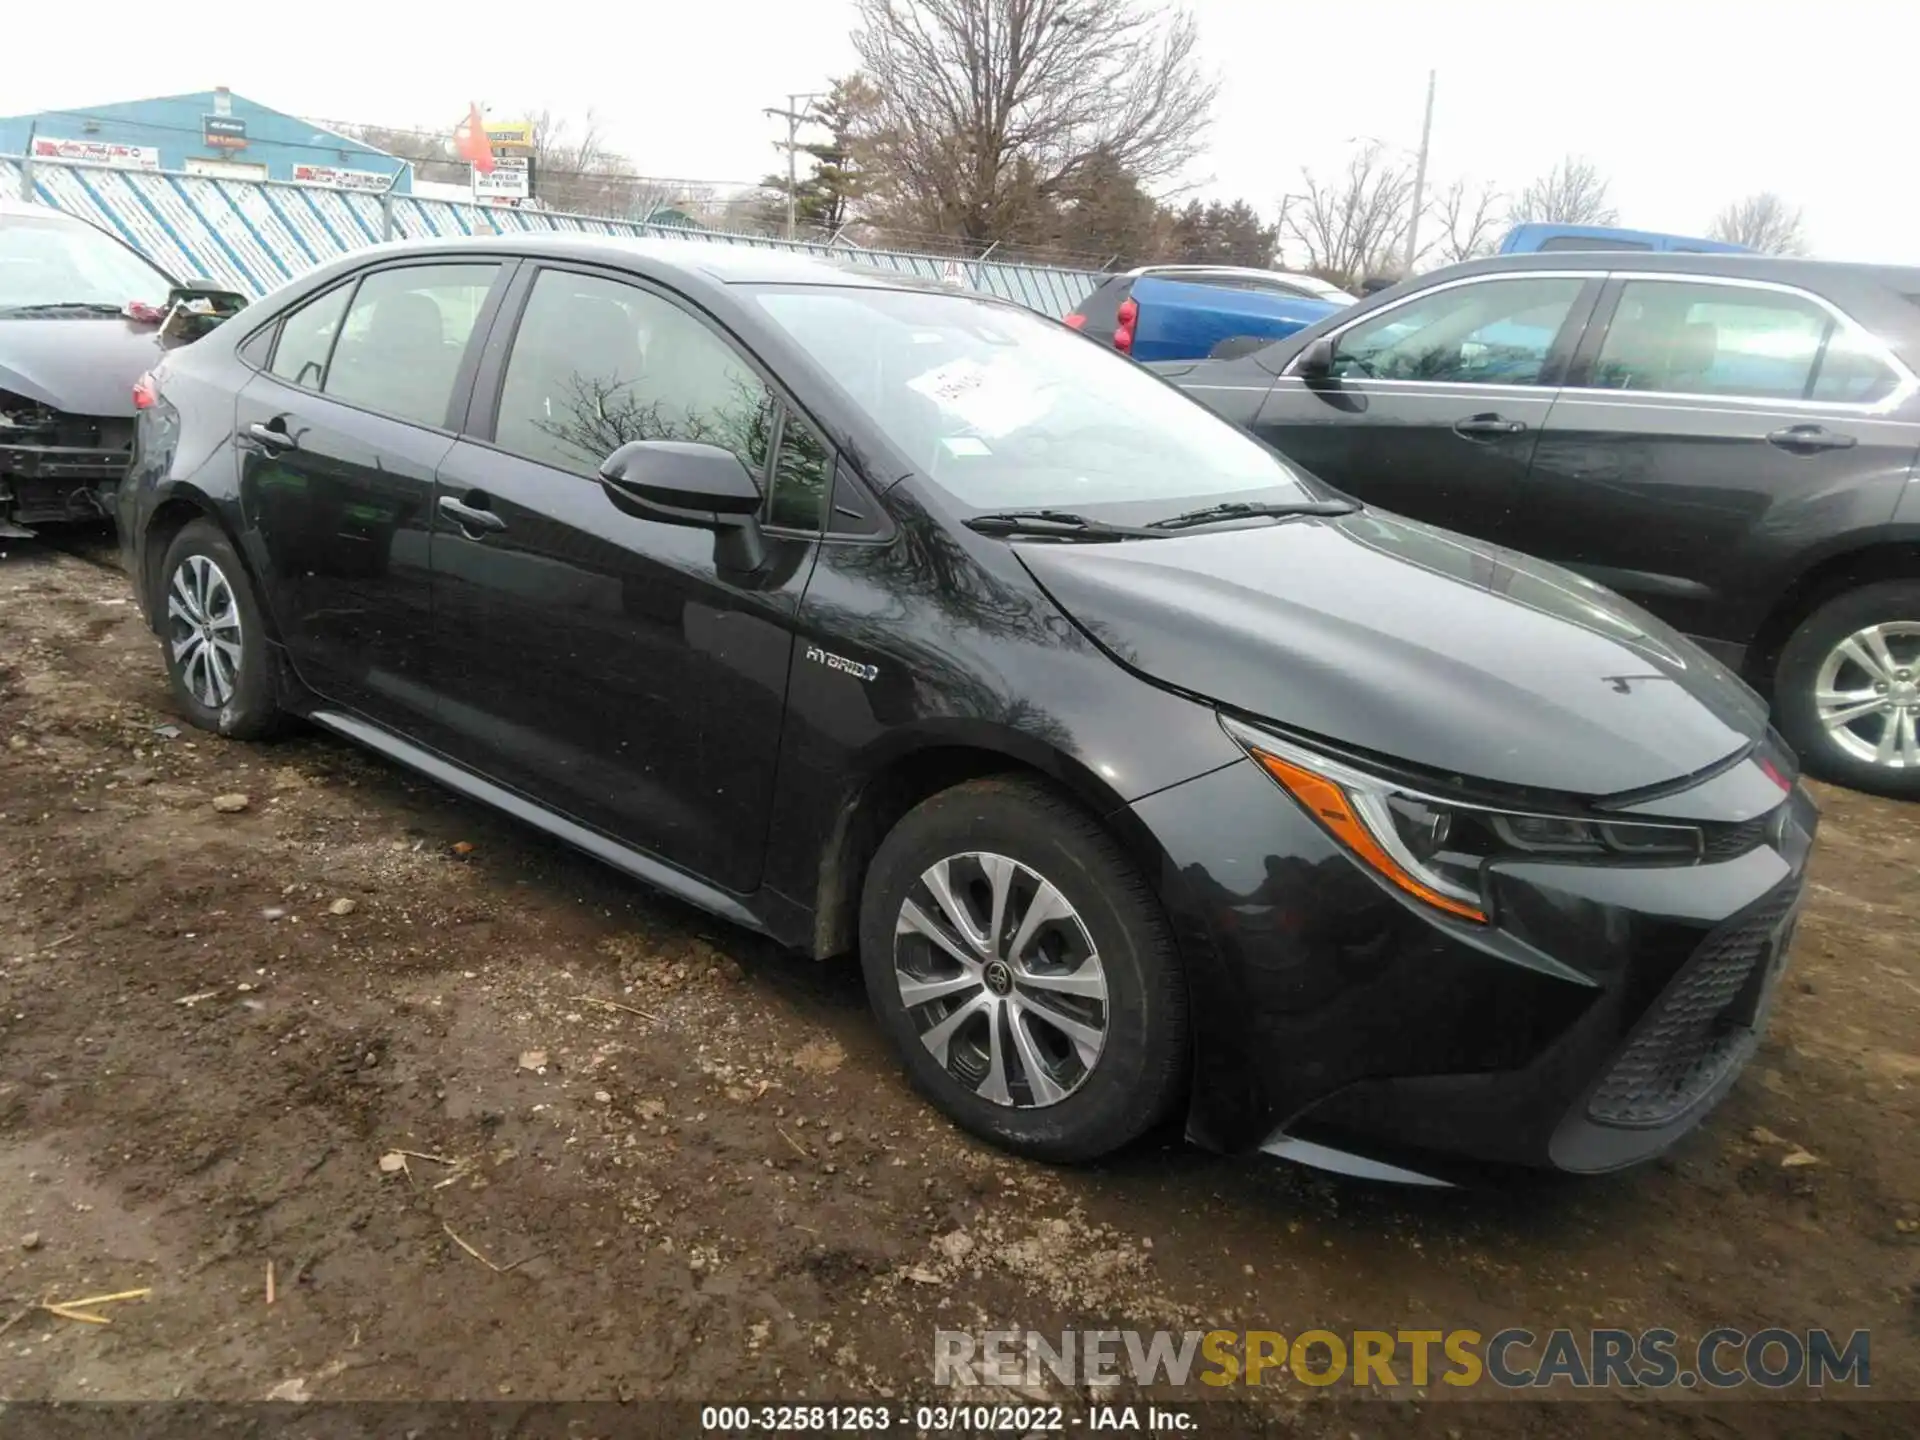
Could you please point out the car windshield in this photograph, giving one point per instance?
(1005, 409)
(67, 262)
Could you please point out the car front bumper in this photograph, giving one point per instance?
(40, 483)
(1598, 1019)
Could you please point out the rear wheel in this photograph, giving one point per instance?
(1025, 971)
(213, 636)
(1847, 689)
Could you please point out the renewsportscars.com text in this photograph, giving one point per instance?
(1513, 1359)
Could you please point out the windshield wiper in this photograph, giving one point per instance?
(1061, 524)
(64, 307)
(1247, 509)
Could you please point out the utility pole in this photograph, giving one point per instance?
(795, 118)
(1420, 178)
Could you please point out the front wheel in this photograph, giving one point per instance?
(1847, 689)
(1025, 971)
(214, 637)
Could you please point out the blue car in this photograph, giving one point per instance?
(1192, 312)
(1531, 238)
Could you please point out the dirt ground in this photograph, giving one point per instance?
(642, 1155)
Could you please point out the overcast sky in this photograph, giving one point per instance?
(1685, 104)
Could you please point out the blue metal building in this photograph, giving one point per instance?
(215, 133)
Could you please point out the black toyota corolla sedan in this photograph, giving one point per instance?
(1140, 770)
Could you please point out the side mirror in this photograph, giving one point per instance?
(683, 482)
(1315, 362)
(707, 486)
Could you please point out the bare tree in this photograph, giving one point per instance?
(1763, 222)
(988, 110)
(575, 168)
(1574, 192)
(1353, 225)
(1469, 216)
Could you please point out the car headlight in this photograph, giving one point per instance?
(1434, 848)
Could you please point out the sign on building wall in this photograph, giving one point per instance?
(224, 132)
(341, 178)
(96, 152)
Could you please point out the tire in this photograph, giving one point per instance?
(1058, 1095)
(1813, 660)
(227, 687)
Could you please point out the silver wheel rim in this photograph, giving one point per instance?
(1867, 694)
(1001, 980)
(203, 630)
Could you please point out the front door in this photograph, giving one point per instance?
(607, 665)
(339, 439)
(1434, 405)
(1706, 430)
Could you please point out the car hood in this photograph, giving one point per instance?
(83, 365)
(1413, 643)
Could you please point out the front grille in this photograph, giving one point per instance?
(1699, 1028)
(1723, 842)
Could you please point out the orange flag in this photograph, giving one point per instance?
(470, 141)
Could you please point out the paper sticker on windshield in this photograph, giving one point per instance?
(994, 401)
(966, 445)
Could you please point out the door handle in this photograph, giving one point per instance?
(1809, 438)
(470, 518)
(1488, 425)
(271, 436)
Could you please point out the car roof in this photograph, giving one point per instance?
(38, 212)
(1781, 269)
(1248, 270)
(702, 260)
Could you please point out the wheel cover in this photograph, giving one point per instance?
(1867, 694)
(1001, 979)
(203, 630)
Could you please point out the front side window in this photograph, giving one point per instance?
(64, 262)
(306, 338)
(1005, 409)
(1707, 339)
(1496, 332)
(597, 363)
(403, 338)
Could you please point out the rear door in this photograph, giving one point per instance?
(1711, 430)
(339, 438)
(1435, 403)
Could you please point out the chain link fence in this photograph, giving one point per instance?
(254, 235)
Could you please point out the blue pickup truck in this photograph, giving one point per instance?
(1188, 312)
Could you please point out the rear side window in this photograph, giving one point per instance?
(1708, 339)
(1495, 332)
(403, 338)
(306, 338)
